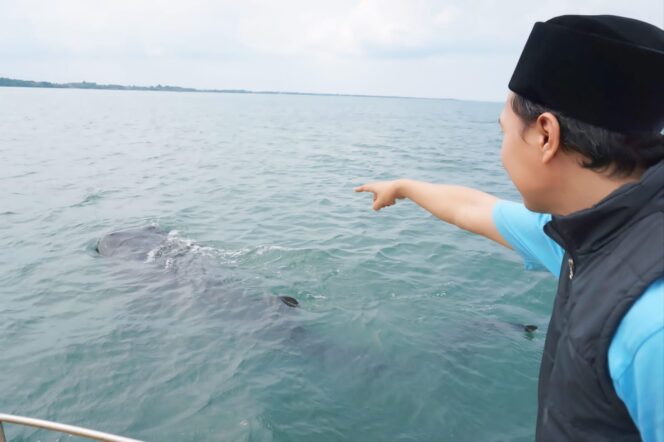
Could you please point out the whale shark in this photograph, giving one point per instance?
(132, 243)
(205, 271)
(221, 290)
(150, 243)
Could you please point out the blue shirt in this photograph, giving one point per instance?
(636, 352)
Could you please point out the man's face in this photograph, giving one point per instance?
(522, 159)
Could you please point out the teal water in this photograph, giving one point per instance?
(401, 332)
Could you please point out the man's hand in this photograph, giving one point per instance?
(385, 193)
(467, 208)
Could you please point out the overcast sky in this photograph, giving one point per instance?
(463, 49)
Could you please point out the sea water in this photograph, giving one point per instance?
(402, 327)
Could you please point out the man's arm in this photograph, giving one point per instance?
(636, 362)
(467, 208)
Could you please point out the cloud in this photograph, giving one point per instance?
(368, 28)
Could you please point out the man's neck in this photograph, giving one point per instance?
(585, 188)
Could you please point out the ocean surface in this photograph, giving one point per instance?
(403, 326)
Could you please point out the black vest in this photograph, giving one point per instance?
(613, 252)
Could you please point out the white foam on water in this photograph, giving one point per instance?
(175, 245)
(152, 254)
(260, 250)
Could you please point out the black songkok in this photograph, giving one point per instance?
(604, 70)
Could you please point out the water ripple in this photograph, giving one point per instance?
(402, 331)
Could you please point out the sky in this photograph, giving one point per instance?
(464, 49)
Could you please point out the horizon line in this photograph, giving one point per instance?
(13, 82)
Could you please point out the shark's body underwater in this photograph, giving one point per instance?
(149, 243)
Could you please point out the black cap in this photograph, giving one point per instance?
(604, 70)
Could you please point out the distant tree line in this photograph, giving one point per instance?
(10, 82)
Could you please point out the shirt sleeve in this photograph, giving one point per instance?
(524, 231)
(636, 362)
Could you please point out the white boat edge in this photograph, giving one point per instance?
(62, 428)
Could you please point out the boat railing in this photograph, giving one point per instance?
(62, 428)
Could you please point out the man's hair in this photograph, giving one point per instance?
(619, 154)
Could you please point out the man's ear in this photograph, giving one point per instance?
(548, 130)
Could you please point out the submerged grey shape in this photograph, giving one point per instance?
(220, 291)
(151, 242)
(132, 243)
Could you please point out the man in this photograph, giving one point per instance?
(584, 145)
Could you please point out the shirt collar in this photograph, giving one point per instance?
(589, 229)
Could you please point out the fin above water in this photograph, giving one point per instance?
(289, 301)
(528, 328)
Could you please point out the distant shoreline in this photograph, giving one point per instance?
(11, 82)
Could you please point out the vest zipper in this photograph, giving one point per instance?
(551, 229)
